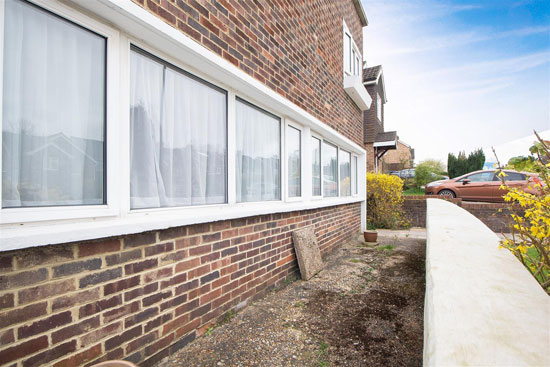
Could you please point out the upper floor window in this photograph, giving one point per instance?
(352, 56)
(379, 107)
(258, 153)
(54, 110)
(178, 141)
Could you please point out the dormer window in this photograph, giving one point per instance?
(352, 56)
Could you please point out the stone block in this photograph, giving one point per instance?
(307, 252)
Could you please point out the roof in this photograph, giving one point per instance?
(375, 75)
(361, 12)
(386, 136)
(371, 74)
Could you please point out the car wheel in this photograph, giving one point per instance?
(447, 194)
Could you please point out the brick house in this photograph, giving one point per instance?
(376, 141)
(196, 138)
(398, 159)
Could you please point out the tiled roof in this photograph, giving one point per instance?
(371, 74)
(386, 136)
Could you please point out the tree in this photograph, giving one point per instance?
(428, 171)
(461, 165)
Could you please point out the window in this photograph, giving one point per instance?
(354, 177)
(316, 166)
(258, 154)
(511, 176)
(479, 177)
(379, 107)
(345, 173)
(294, 159)
(53, 117)
(178, 136)
(352, 56)
(330, 170)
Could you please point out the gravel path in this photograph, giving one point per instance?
(364, 309)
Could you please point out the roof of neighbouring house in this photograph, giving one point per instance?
(375, 75)
(371, 74)
(386, 136)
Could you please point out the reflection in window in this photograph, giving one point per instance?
(178, 137)
(330, 170)
(345, 170)
(294, 153)
(53, 118)
(258, 154)
(316, 166)
(354, 176)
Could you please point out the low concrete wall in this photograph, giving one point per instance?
(482, 307)
(494, 215)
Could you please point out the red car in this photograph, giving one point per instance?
(482, 185)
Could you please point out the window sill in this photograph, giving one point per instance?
(27, 235)
(357, 91)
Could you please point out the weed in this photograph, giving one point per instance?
(354, 260)
(323, 354)
(299, 304)
(210, 330)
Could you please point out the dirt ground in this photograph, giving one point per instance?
(364, 309)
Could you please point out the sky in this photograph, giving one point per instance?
(461, 75)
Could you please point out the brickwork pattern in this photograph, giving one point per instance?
(142, 297)
(372, 125)
(493, 215)
(398, 159)
(293, 47)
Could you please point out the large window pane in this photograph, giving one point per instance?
(354, 175)
(258, 154)
(330, 170)
(178, 136)
(294, 155)
(53, 118)
(345, 173)
(316, 166)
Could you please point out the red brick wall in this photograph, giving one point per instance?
(493, 215)
(293, 47)
(144, 296)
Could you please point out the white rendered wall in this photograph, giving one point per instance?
(482, 307)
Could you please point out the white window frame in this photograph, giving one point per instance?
(111, 208)
(321, 139)
(289, 123)
(127, 23)
(352, 58)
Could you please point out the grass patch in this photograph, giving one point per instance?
(355, 261)
(388, 248)
(413, 191)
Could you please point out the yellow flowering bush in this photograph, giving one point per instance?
(384, 201)
(530, 230)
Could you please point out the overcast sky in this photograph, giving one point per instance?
(461, 75)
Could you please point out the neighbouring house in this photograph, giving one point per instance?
(156, 157)
(400, 158)
(376, 141)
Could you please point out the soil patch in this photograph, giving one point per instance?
(364, 309)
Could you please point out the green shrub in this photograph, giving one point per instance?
(428, 171)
